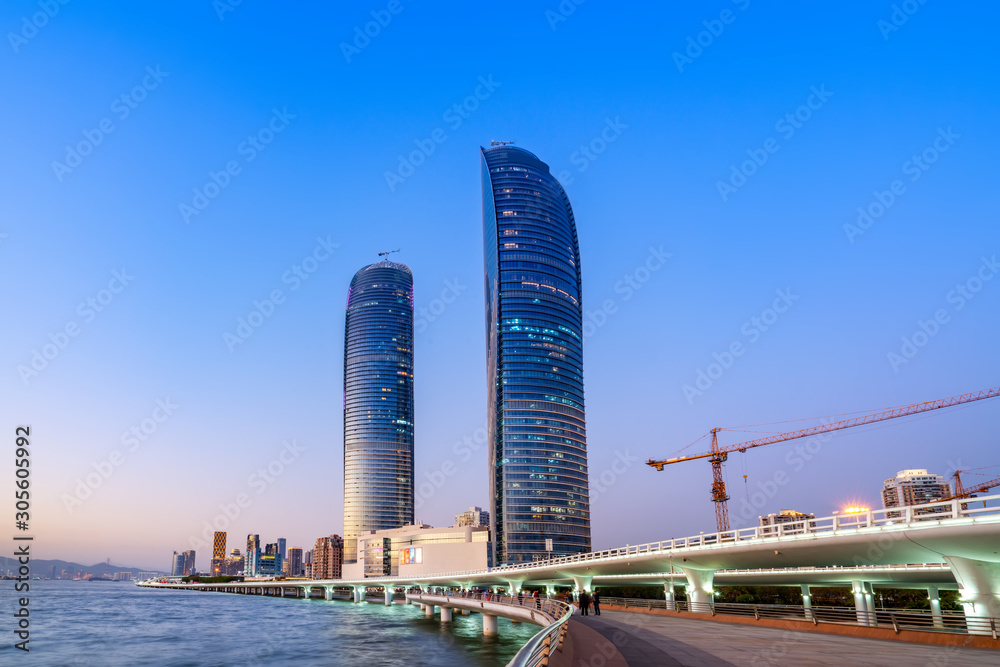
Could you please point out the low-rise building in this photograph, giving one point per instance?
(914, 487)
(294, 568)
(270, 564)
(474, 516)
(420, 549)
(326, 558)
(233, 565)
(797, 520)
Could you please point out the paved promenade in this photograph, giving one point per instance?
(663, 641)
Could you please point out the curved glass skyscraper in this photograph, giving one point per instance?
(378, 402)
(534, 348)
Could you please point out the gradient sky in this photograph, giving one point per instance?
(555, 86)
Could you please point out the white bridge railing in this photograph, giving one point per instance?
(896, 619)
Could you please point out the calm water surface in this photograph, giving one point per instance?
(118, 623)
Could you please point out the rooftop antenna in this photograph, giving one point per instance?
(387, 253)
(502, 143)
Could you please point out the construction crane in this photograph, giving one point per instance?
(962, 491)
(387, 253)
(717, 455)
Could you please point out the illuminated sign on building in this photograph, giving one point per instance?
(411, 555)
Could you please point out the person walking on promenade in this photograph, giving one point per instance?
(538, 601)
(520, 598)
(584, 603)
(597, 603)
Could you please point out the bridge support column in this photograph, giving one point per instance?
(388, 595)
(550, 591)
(870, 601)
(359, 593)
(699, 590)
(935, 598)
(513, 587)
(980, 587)
(328, 592)
(807, 602)
(445, 614)
(582, 584)
(864, 603)
(489, 624)
(668, 593)
(429, 611)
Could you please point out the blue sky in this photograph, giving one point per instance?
(642, 139)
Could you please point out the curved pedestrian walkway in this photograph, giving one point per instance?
(644, 639)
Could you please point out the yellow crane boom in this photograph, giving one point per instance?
(718, 455)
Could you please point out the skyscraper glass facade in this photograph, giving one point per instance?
(251, 559)
(535, 415)
(378, 402)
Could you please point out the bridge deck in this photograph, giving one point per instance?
(665, 640)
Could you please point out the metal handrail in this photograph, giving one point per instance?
(537, 651)
(913, 619)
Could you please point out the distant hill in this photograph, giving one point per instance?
(43, 568)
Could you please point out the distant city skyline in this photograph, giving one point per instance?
(805, 187)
